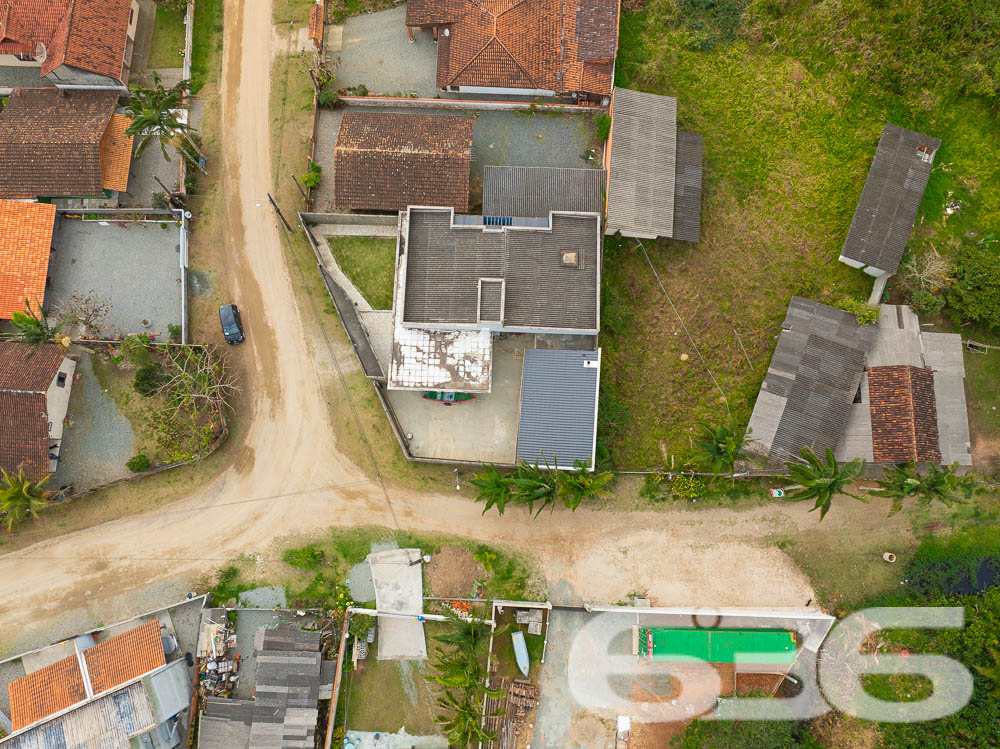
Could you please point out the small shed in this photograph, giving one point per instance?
(889, 200)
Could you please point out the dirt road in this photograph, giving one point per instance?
(289, 456)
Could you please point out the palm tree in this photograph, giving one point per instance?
(155, 116)
(719, 447)
(465, 635)
(494, 488)
(575, 486)
(992, 672)
(935, 483)
(822, 480)
(21, 498)
(461, 721)
(531, 484)
(34, 328)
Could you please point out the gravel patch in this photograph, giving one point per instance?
(327, 126)
(377, 53)
(143, 173)
(264, 598)
(360, 582)
(9, 671)
(97, 439)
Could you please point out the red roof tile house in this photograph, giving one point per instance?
(65, 145)
(386, 162)
(121, 691)
(523, 47)
(35, 387)
(25, 246)
(69, 42)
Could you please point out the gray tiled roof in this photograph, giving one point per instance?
(643, 153)
(445, 263)
(558, 407)
(890, 198)
(536, 190)
(806, 397)
(687, 188)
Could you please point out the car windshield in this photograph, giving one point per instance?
(230, 329)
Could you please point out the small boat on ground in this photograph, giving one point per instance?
(520, 651)
(447, 397)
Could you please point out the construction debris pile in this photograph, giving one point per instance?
(218, 666)
(509, 715)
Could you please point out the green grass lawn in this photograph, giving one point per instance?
(389, 695)
(789, 131)
(370, 263)
(167, 50)
(206, 53)
(503, 651)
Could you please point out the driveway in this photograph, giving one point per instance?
(289, 476)
(377, 53)
(132, 265)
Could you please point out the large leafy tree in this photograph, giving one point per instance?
(20, 497)
(822, 480)
(155, 114)
(935, 483)
(718, 447)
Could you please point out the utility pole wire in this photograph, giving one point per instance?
(725, 400)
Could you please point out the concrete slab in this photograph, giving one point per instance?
(47, 656)
(133, 264)
(401, 740)
(481, 430)
(376, 52)
(360, 582)
(399, 590)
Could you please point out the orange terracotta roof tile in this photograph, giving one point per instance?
(554, 45)
(904, 414)
(26, 24)
(45, 692)
(125, 657)
(116, 153)
(316, 18)
(92, 35)
(25, 245)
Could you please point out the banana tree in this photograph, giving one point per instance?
(935, 483)
(578, 485)
(822, 480)
(719, 447)
(494, 488)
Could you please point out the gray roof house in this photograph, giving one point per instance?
(461, 280)
(890, 200)
(536, 191)
(284, 711)
(654, 171)
(864, 392)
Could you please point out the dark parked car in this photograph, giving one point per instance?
(232, 326)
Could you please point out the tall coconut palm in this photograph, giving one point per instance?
(934, 484)
(461, 720)
(494, 488)
(822, 480)
(21, 498)
(155, 114)
(465, 635)
(719, 447)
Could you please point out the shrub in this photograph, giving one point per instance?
(866, 314)
(313, 176)
(328, 98)
(175, 332)
(136, 349)
(603, 124)
(360, 624)
(138, 463)
(687, 487)
(148, 379)
(975, 295)
(307, 558)
(924, 303)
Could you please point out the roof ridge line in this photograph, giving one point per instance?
(516, 61)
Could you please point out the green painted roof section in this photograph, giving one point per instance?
(717, 645)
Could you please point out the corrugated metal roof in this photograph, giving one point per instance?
(534, 191)
(890, 198)
(687, 188)
(643, 164)
(558, 407)
(811, 382)
(445, 262)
